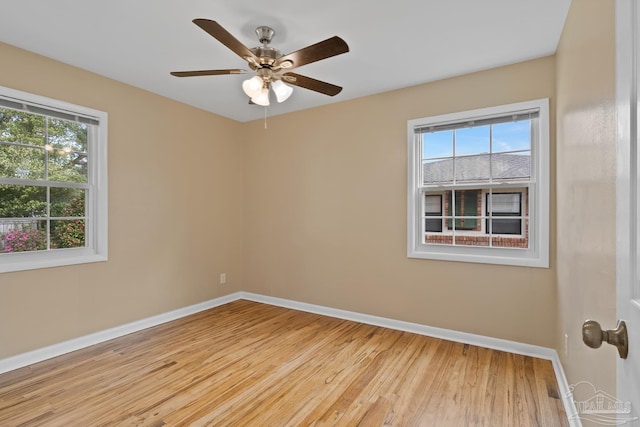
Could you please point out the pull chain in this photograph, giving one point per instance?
(265, 117)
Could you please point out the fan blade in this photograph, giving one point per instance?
(206, 73)
(224, 37)
(311, 84)
(321, 50)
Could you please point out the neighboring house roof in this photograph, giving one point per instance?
(477, 168)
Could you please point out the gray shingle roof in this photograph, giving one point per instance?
(477, 168)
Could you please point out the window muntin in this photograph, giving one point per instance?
(484, 163)
(53, 200)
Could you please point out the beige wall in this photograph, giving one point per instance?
(586, 188)
(175, 203)
(325, 213)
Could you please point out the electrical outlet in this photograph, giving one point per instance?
(223, 278)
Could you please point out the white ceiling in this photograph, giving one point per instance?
(393, 44)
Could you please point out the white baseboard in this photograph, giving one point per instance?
(447, 334)
(39, 355)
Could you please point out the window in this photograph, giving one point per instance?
(53, 182)
(479, 185)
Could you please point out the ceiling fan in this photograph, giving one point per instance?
(271, 66)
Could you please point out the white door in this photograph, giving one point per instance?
(628, 204)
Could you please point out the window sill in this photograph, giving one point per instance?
(481, 255)
(32, 261)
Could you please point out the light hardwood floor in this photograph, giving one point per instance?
(251, 364)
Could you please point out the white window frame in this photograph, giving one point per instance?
(537, 255)
(96, 225)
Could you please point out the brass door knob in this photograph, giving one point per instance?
(593, 336)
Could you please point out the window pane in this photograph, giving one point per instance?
(435, 171)
(67, 166)
(67, 147)
(504, 203)
(506, 226)
(22, 162)
(511, 166)
(22, 235)
(471, 207)
(433, 204)
(437, 144)
(67, 202)
(22, 201)
(512, 136)
(433, 225)
(472, 168)
(472, 140)
(67, 234)
(64, 134)
(21, 128)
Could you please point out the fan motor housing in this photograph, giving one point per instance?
(266, 54)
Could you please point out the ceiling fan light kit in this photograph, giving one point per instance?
(270, 65)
